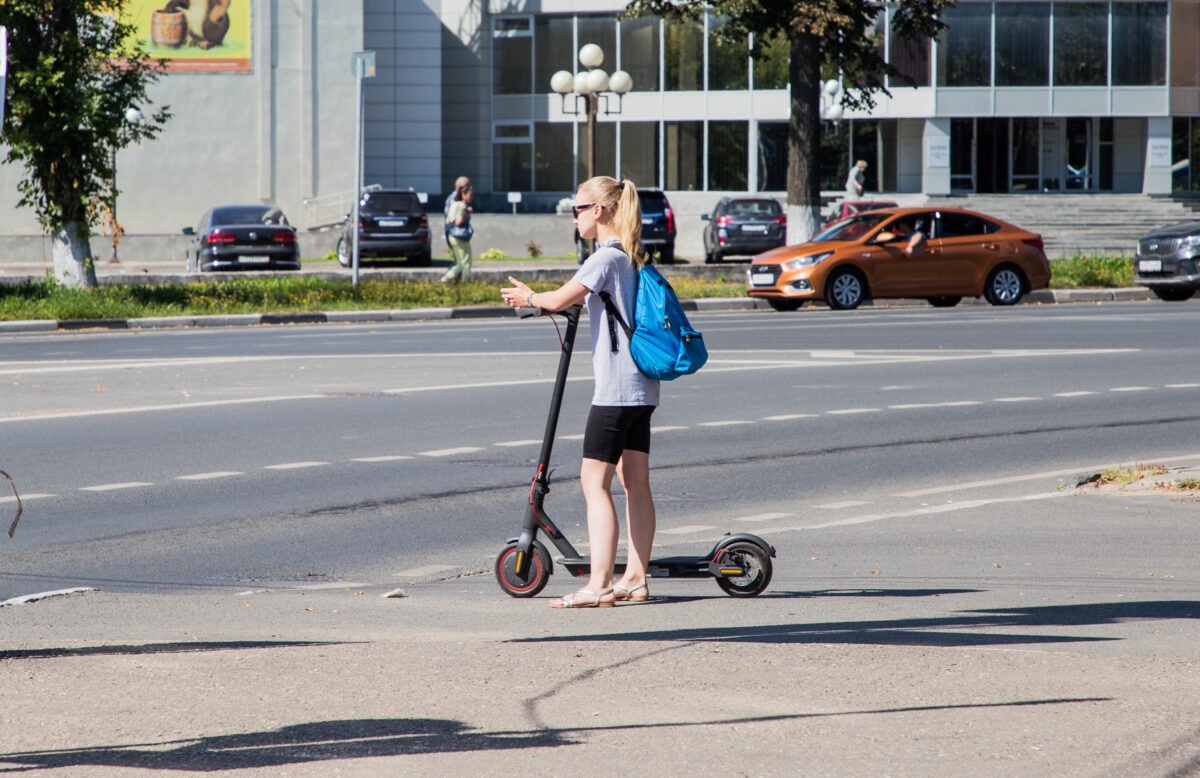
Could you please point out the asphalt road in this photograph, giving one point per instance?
(915, 468)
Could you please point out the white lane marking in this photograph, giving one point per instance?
(1073, 394)
(764, 517)
(419, 572)
(790, 417)
(295, 465)
(449, 452)
(1015, 399)
(388, 458)
(667, 428)
(1129, 389)
(1082, 469)
(114, 487)
(927, 511)
(1182, 386)
(957, 404)
(910, 406)
(25, 497)
(530, 442)
(208, 476)
(844, 504)
(28, 598)
(333, 585)
(570, 437)
(726, 423)
(686, 530)
(850, 411)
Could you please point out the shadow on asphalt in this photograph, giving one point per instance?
(158, 648)
(961, 630)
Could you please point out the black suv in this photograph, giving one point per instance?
(658, 228)
(743, 226)
(391, 223)
(1168, 261)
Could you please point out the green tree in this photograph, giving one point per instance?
(75, 68)
(825, 38)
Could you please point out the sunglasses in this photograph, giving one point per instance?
(578, 209)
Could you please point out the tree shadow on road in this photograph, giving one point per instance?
(966, 628)
(156, 648)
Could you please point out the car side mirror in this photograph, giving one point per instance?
(885, 237)
(188, 231)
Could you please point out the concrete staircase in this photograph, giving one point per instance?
(1107, 224)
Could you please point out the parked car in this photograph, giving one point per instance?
(241, 237)
(964, 254)
(743, 226)
(391, 223)
(1168, 261)
(658, 228)
(847, 208)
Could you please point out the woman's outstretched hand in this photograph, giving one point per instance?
(515, 295)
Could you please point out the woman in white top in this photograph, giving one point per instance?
(617, 437)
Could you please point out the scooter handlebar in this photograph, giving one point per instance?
(525, 313)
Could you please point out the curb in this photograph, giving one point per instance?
(1041, 297)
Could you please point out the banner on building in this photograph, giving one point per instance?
(195, 36)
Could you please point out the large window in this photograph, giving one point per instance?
(728, 63)
(683, 155)
(513, 169)
(683, 56)
(772, 156)
(639, 52)
(552, 164)
(962, 155)
(1025, 149)
(835, 155)
(727, 155)
(1139, 44)
(1022, 44)
(553, 38)
(512, 44)
(606, 150)
(1185, 54)
(1080, 44)
(910, 57)
(639, 152)
(771, 62)
(602, 31)
(964, 47)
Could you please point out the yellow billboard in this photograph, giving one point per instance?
(195, 36)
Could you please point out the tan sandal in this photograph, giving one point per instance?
(623, 593)
(573, 600)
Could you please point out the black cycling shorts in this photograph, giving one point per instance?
(613, 429)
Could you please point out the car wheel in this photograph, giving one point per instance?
(1172, 294)
(711, 257)
(785, 303)
(666, 255)
(945, 301)
(343, 252)
(1005, 286)
(845, 290)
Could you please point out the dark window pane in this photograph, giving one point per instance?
(512, 54)
(683, 158)
(513, 170)
(639, 153)
(602, 31)
(606, 150)
(639, 52)
(772, 156)
(964, 48)
(1180, 154)
(728, 60)
(683, 56)
(771, 62)
(910, 57)
(864, 144)
(1022, 44)
(1185, 54)
(727, 155)
(1139, 44)
(1080, 44)
(552, 140)
(962, 154)
(552, 37)
(835, 155)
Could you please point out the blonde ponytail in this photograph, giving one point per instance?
(620, 199)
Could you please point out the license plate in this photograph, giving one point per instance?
(762, 279)
(754, 228)
(1150, 266)
(393, 222)
(647, 221)
(254, 260)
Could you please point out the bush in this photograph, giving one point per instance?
(1084, 271)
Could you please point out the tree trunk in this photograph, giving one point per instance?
(804, 139)
(73, 263)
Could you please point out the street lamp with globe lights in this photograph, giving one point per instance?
(591, 85)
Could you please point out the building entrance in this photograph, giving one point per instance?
(1031, 155)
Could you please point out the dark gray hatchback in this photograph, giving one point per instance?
(1168, 261)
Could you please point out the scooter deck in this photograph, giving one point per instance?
(665, 567)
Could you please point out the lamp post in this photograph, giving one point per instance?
(591, 85)
(132, 117)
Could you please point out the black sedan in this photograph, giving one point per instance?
(743, 226)
(243, 237)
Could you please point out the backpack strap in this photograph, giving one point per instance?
(614, 317)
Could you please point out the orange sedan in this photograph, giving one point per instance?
(942, 255)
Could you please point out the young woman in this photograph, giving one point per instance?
(617, 436)
(460, 247)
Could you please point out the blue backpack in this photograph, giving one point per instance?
(662, 342)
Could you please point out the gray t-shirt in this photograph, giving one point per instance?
(618, 381)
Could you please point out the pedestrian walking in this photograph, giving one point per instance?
(855, 180)
(617, 434)
(459, 225)
(461, 183)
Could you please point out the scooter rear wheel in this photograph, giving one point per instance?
(754, 560)
(537, 571)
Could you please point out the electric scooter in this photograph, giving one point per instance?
(740, 562)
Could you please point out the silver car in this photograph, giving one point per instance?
(1168, 261)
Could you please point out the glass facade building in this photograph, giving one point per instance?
(1036, 95)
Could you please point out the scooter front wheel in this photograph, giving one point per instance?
(755, 564)
(535, 577)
